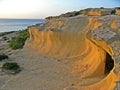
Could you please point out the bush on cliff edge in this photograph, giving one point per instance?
(18, 41)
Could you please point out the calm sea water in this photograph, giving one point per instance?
(17, 24)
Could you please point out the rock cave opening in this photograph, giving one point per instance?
(109, 64)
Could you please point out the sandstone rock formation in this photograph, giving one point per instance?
(89, 43)
(89, 12)
(97, 12)
(117, 11)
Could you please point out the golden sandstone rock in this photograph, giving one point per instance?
(89, 43)
(117, 11)
(97, 12)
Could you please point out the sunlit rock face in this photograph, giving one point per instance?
(90, 44)
(97, 12)
(88, 12)
(118, 12)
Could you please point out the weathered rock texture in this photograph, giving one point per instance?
(89, 12)
(117, 11)
(97, 12)
(91, 44)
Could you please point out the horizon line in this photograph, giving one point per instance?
(22, 18)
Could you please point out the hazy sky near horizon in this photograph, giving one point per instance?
(44, 8)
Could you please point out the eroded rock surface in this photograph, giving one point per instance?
(86, 42)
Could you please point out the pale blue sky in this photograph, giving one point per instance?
(44, 8)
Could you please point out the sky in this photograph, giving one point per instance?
(43, 8)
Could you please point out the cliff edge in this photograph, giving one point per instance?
(89, 43)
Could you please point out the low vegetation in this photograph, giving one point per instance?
(5, 38)
(3, 56)
(18, 41)
(5, 33)
(11, 67)
(1, 48)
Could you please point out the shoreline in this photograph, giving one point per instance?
(7, 25)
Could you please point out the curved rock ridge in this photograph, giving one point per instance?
(89, 12)
(89, 44)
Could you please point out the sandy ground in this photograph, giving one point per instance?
(39, 72)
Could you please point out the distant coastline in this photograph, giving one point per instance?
(8, 24)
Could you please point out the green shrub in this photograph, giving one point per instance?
(11, 67)
(5, 38)
(18, 41)
(3, 56)
(1, 48)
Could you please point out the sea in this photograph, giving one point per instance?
(7, 25)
